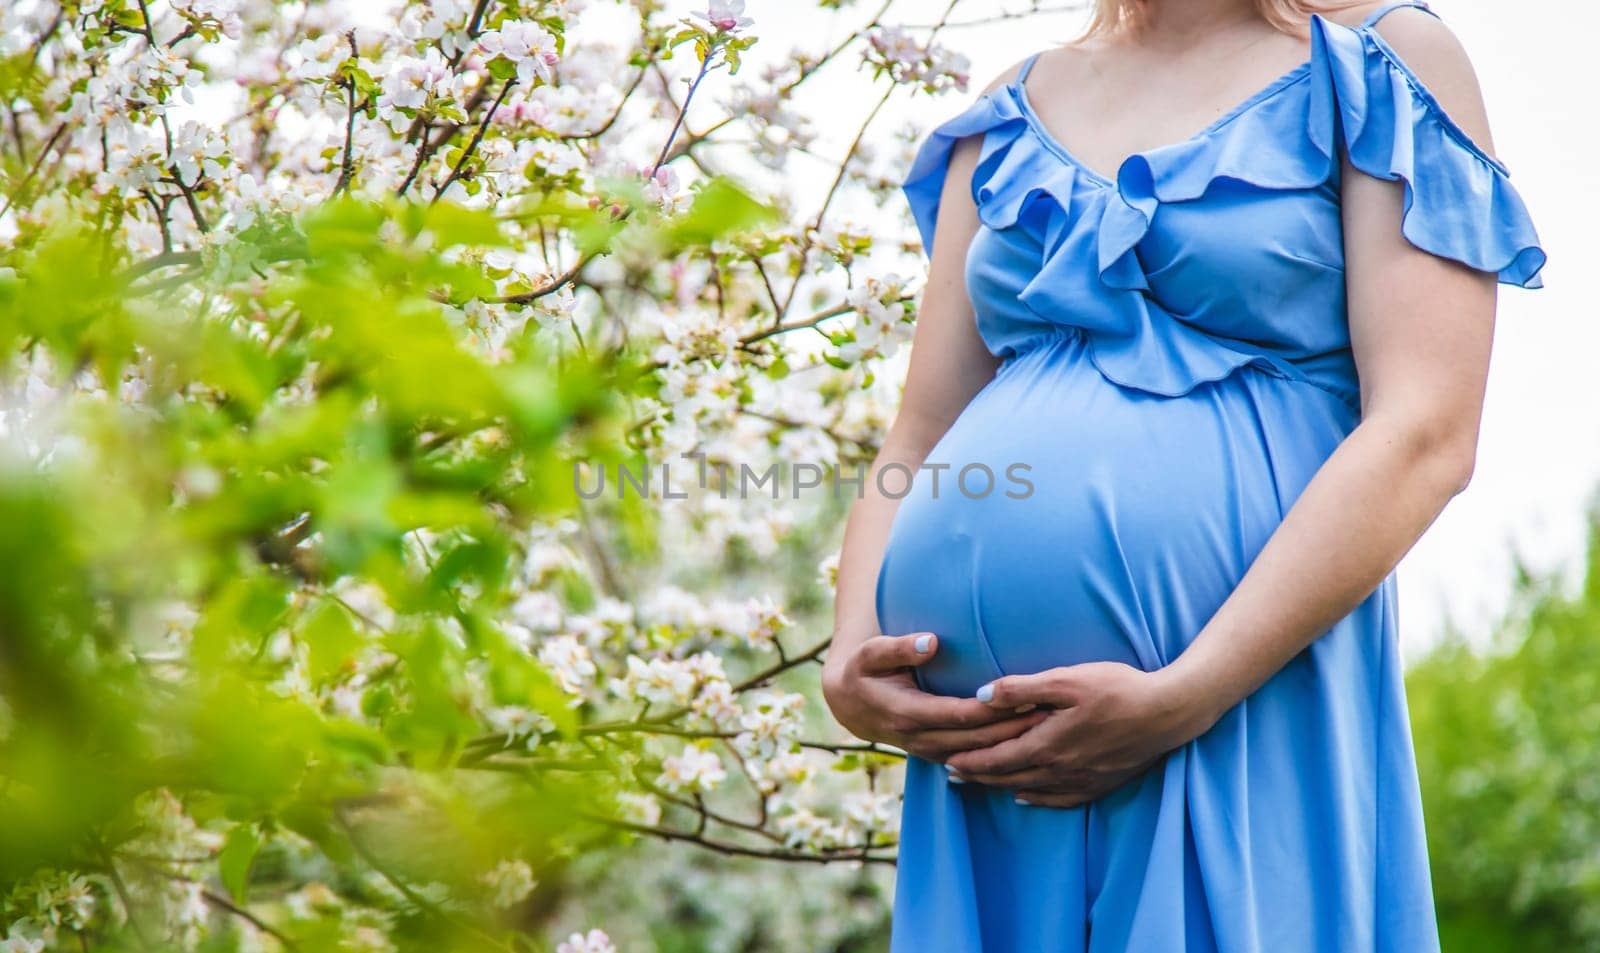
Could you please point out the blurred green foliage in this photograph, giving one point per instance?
(1509, 756)
(238, 452)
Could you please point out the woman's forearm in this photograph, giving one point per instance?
(1365, 507)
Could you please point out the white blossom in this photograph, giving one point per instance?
(695, 769)
(223, 13)
(640, 808)
(19, 942)
(658, 681)
(529, 46)
(934, 68)
(510, 882)
(771, 719)
(595, 941)
(414, 83)
(569, 660)
(803, 827)
(196, 152)
(871, 811)
(517, 723)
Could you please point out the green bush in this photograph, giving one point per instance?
(1508, 743)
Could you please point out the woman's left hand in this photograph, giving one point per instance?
(1110, 722)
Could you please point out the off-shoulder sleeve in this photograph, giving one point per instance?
(1013, 172)
(1459, 200)
(924, 181)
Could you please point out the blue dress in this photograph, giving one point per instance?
(1176, 366)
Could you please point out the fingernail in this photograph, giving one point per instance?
(986, 693)
(1022, 802)
(923, 643)
(1024, 709)
(950, 775)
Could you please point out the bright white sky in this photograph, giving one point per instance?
(1539, 454)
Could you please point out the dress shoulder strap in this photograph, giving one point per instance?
(1383, 11)
(1027, 64)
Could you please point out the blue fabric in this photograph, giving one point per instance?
(1176, 367)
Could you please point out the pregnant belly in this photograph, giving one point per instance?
(1138, 516)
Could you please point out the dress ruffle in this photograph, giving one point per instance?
(1460, 203)
(1011, 174)
(1352, 91)
(1154, 350)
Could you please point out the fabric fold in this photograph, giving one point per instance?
(1009, 178)
(1459, 201)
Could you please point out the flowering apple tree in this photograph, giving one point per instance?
(382, 390)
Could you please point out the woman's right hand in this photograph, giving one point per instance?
(872, 692)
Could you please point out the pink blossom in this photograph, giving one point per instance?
(726, 15)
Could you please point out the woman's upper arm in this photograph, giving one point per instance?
(949, 361)
(1420, 324)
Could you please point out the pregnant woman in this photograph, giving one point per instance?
(1217, 282)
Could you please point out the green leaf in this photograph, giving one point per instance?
(233, 863)
(453, 224)
(720, 207)
(331, 640)
(502, 69)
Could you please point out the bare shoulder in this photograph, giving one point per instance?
(1433, 54)
(1057, 62)
(1079, 54)
(1006, 76)
(1353, 14)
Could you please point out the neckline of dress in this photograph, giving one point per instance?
(1019, 87)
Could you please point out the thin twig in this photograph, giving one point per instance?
(855, 854)
(556, 284)
(634, 727)
(472, 146)
(677, 122)
(121, 888)
(223, 903)
(406, 890)
(347, 167)
(424, 149)
(616, 112)
(33, 170)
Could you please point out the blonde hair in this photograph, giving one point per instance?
(1289, 16)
